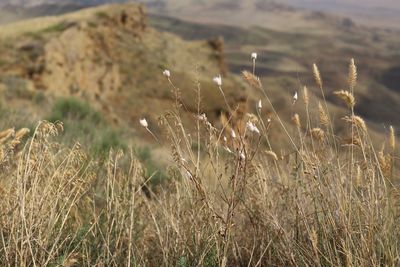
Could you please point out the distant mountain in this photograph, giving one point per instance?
(371, 12)
(29, 3)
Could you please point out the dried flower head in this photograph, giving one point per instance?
(167, 73)
(218, 80)
(144, 123)
(252, 127)
(253, 56)
(295, 97)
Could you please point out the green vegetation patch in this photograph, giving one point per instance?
(85, 125)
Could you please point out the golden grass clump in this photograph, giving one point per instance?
(347, 97)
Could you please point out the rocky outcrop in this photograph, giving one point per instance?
(82, 61)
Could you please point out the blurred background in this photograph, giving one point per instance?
(98, 64)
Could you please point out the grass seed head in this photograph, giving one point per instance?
(323, 117)
(352, 79)
(318, 134)
(317, 76)
(347, 97)
(392, 138)
(306, 96)
(272, 155)
(357, 121)
(296, 120)
(251, 79)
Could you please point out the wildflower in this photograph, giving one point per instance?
(253, 56)
(218, 80)
(295, 97)
(252, 127)
(259, 104)
(167, 73)
(144, 123)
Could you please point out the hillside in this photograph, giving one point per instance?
(101, 51)
(373, 13)
(116, 66)
(287, 54)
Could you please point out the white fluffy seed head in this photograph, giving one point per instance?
(252, 127)
(144, 123)
(167, 73)
(218, 80)
(253, 56)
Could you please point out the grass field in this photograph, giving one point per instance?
(230, 196)
(227, 159)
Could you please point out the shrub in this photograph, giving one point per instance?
(85, 125)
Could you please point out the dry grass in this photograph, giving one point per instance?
(230, 201)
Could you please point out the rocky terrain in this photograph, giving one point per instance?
(111, 58)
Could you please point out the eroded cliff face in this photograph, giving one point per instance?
(83, 59)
